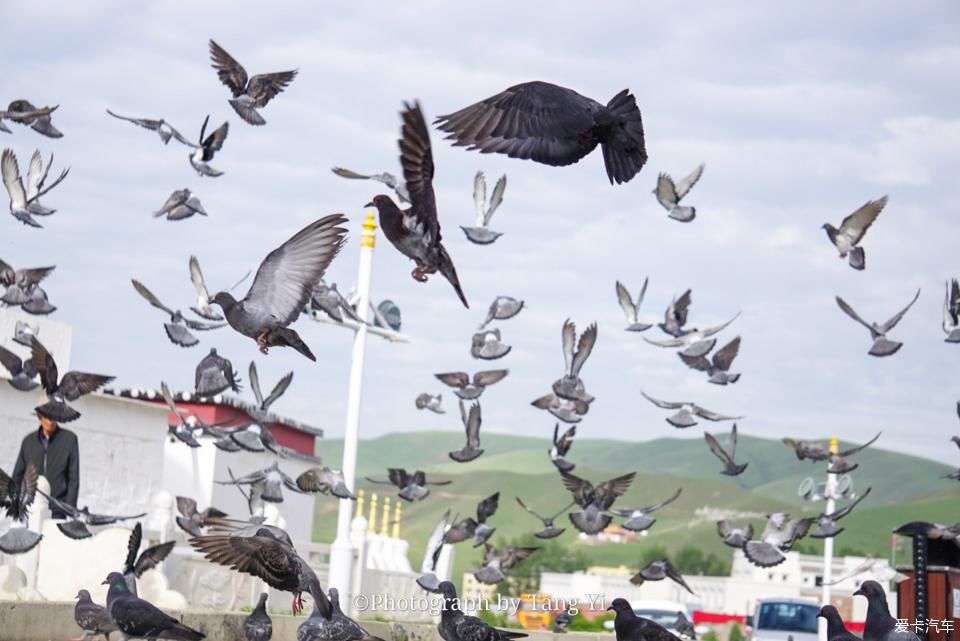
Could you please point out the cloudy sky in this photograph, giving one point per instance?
(800, 113)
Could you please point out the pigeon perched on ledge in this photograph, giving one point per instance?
(92, 618)
(258, 626)
(137, 618)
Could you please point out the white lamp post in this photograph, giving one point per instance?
(830, 493)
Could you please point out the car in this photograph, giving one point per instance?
(662, 612)
(782, 619)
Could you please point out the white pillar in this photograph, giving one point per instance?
(831, 491)
(341, 552)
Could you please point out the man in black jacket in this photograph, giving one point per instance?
(55, 453)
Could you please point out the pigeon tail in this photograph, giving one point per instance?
(287, 337)
(19, 540)
(826, 531)
(763, 554)
(466, 455)
(735, 470)
(883, 346)
(590, 526)
(247, 111)
(57, 411)
(624, 152)
(858, 259)
(75, 530)
(450, 273)
(683, 214)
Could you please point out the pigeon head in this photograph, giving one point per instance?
(829, 613)
(224, 300)
(620, 605)
(830, 229)
(872, 590)
(334, 597)
(382, 202)
(116, 582)
(83, 595)
(447, 589)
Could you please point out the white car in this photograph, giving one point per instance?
(783, 619)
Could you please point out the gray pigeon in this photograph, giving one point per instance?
(836, 630)
(468, 389)
(852, 229)
(261, 412)
(180, 204)
(550, 530)
(258, 626)
(730, 468)
(658, 571)
(413, 487)
(428, 578)
(340, 627)
(827, 523)
(136, 618)
(480, 233)
(637, 519)
(274, 478)
(249, 94)
(951, 312)
(734, 536)
(92, 618)
(214, 374)
(696, 342)
(59, 391)
(325, 481)
(75, 525)
(879, 625)
(190, 520)
(182, 430)
(684, 627)
(164, 129)
(808, 450)
(38, 304)
(779, 535)
(477, 529)
(388, 179)
(19, 540)
(332, 303)
(675, 316)
(203, 309)
(24, 201)
(495, 563)
(669, 194)
(630, 627)
(36, 179)
(207, 148)
(686, 410)
(178, 327)
(717, 368)
(430, 402)
(575, 354)
(136, 565)
(457, 626)
(839, 463)
(882, 346)
(595, 500)
(562, 445)
(22, 374)
(312, 628)
(486, 345)
(23, 112)
(630, 309)
(23, 333)
(471, 422)
(502, 308)
(283, 284)
(561, 408)
(562, 621)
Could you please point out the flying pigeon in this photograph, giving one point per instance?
(23, 333)
(951, 312)
(203, 308)
(186, 430)
(718, 367)
(471, 423)
(164, 129)
(879, 625)
(658, 571)
(839, 463)
(190, 520)
(779, 535)
(258, 626)
(325, 481)
(261, 412)
(836, 630)
(23, 116)
(486, 345)
(479, 530)
(25, 201)
(730, 468)
(819, 452)
(412, 486)
(561, 408)
(21, 372)
(251, 94)
(135, 566)
(696, 342)
(265, 552)
(332, 303)
(36, 179)
(179, 205)
(734, 536)
(686, 410)
(875, 567)
(562, 621)
(470, 390)
(214, 374)
(553, 125)
(637, 519)
(92, 618)
(457, 626)
(496, 563)
(388, 179)
(669, 194)
(570, 386)
(595, 500)
(852, 229)
(631, 309)
(75, 526)
(72, 386)
(882, 346)
(283, 284)
(675, 316)
(207, 148)
(38, 304)
(827, 523)
(136, 618)
(16, 498)
(178, 327)
(480, 233)
(502, 308)
(630, 627)
(23, 112)
(430, 402)
(549, 530)
(562, 445)
(275, 480)
(415, 231)
(428, 578)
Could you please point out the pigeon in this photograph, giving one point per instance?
(569, 386)
(595, 500)
(19, 540)
(258, 626)
(332, 303)
(479, 530)
(496, 563)
(399, 188)
(283, 284)
(686, 410)
(24, 202)
(23, 112)
(502, 308)
(779, 535)
(486, 345)
(251, 94)
(261, 412)
(430, 402)
(882, 346)
(182, 430)
(562, 621)
(178, 327)
(718, 367)
(553, 125)
(179, 205)
(631, 309)
(340, 627)
(562, 445)
(730, 468)
(75, 527)
(951, 312)
(23, 333)
(72, 386)
(879, 625)
(675, 316)
(253, 437)
(480, 233)
(696, 342)
(428, 578)
(549, 530)
(684, 627)
(658, 571)
(561, 408)
(852, 229)
(630, 627)
(836, 630)
(92, 618)
(136, 618)
(190, 520)
(956, 441)
(471, 423)
(839, 463)
(16, 498)
(637, 519)
(38, 304)
(669, 194)
(457, 626)
(274, 478)
(412, 486)
(875, 567)
(21, 372)
(734, 536)
(819, 452)
(415, 231)
(325, 481)
(207, 148)
(827, 523)
(136, 566)
(203, 309)
(471, 390)
(265, 552)
(164, 129)
(312, 628)
(214, 374)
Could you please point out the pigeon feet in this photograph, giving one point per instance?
(262, 342)
(419, 275)
(297, 605)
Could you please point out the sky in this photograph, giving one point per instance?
(801, 111)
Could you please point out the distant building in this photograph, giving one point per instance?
(610, 534)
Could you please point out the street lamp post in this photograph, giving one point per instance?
(830, 493)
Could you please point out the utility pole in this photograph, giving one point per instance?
(830, 493)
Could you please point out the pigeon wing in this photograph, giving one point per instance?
(454, 379)
(12, 363)
(695, 362)
(149, 296)
(264, 87)
(524, 506)
(513, 555)
(146, 123)
(472, 424)
(723, 358)
(255, 383)
(667, 501)
(582, 489)
(852, 314)
(11, 179)
(681, 306)
(847, 509)
(609, 491)
(186, 506)
(416, 158)
(480, 198)
(196, 276)
(42, 361)
(854, 450)
(626, 303)
(568, 335)
(666, 405)
(717, 449)
(856, 224)
(703, 412)
(892, 322)
(230, 72)
(490, 376)
(495, 198)
(666, 191)
(689, 181)
(278, 390)
(76, 384)
(487, 507)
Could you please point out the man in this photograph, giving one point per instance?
(55, 453)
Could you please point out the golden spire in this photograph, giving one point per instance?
(385, 521)
(396, 520)
(372, 522)
(368, 237)
(360, 502)
(834, 445)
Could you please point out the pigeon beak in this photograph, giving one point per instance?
(859, 592)
(105, 582)
(370, 204)
(610, 608)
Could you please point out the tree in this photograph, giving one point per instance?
(735, 633)
(552, 556)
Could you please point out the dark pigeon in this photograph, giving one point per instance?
(214, 374)
(779, 535)
(178, 327)
(658, 571)
(717, 368)
(549, 530)
(164, 129)
(72, 386)
(92, 618)
(258, 626)
(75, 526)
(468, 389)
(595, 500)
(479, 530)
(735, 537)
(22, 374)
(882, 346)
(637, 519)
(819, 452)
(23, 112)
(562, 445)
(495, 564)
(836, 630)
(827, 523)
(324, 481)
(16, 498)
(249, 94)
(879, 625)
(136, 565)
(412, 486)
(852, 229)
(136, 618)
(471, 423)
(675, 317)
(562, 621)
(730, 467)
(630, 627)
(684, 627)
(206, 148)
(340, 627)
(457, 626)
(686, 410)
(192, 521)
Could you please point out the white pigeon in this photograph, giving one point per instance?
(480, 233)
(24, 203)
(669, 194)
